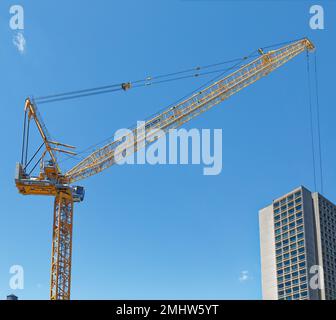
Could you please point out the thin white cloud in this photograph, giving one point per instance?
(244, 276)
(19, 42)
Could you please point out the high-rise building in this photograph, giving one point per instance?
(298, 247)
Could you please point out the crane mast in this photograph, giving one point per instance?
(51, 181)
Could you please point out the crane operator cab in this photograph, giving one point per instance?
(78, 193)
(49, 169)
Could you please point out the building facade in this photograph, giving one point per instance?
(298, 247)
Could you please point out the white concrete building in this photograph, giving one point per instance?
(298, 247)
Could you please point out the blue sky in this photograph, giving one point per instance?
(160, 231)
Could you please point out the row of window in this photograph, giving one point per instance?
(287, 254)
(292, 276)
(286, 214)
(295, 289)
(327, 205)
(288, 198)
(292, 268)
(289, 220)
(291, 240)
(293, 246)
(296, 296)
(286, 206)
(295, 282)
(287, 263)
(328, 239)
(290, 226)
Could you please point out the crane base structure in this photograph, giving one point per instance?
(50, 180)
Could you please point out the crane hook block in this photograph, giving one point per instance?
(126, 85)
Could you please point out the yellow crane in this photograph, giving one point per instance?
(52, 182)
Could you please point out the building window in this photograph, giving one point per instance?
(304, 294)
(293, 253)
(299, 215)
(301, 243)
(300, 236)
(293, 246)
(303, 271)
(302, 257)
(295, 267)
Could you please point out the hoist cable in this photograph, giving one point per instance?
(176, 102)
(311, 121)
(138, 83)
(77, 96)
(318, 122)
(118, 86)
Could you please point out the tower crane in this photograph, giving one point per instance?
(51, 181)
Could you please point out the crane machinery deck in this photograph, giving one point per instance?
(52, 182)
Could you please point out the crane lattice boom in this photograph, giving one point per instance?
(181, 113)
